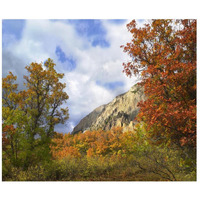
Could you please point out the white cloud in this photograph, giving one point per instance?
(39, 41)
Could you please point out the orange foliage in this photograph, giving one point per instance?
(7, 135)
(66, 151)
(163, 52)
(91, 143)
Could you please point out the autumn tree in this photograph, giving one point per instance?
(32, 114)
(12, 117)
(163, 54)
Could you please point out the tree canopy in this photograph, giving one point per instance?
(29, 116)
(163, 53)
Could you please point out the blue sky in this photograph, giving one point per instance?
(92, 30)
(68, 61)
(87, 51)
(110, 85)
(13, 27)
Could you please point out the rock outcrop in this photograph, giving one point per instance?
(119, 112)
(88, 120)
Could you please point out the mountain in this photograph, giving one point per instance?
(121, 111)
(87, 121)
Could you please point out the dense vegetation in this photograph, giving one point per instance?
(107, 156)
(161, 147)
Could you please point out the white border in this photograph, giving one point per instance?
(104, 9)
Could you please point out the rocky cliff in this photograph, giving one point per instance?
(119, 112)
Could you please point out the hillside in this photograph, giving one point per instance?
(121, 112)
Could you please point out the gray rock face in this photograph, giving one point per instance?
(87, 121)
(119, 112)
